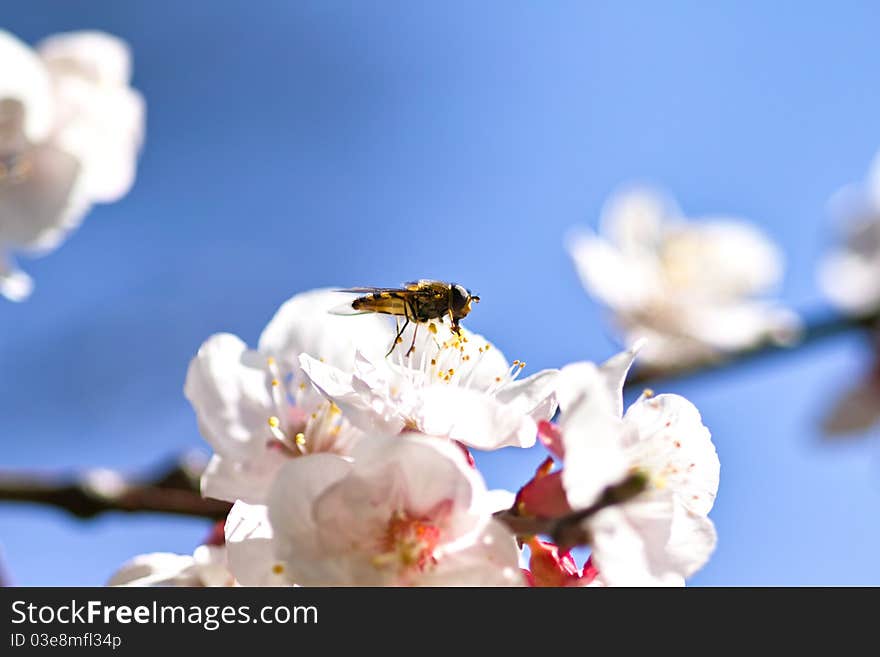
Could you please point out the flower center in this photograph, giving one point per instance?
(453, 361)
(295, 430)
(408, 543)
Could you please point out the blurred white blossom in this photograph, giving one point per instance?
(255, 407)
(404, 510)
(690, 287)
(205, 567)
(71, 128)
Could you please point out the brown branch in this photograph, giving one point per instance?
(173, 489)
(814, 331)
(569, 531)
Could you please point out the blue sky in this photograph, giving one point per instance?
(295, 145)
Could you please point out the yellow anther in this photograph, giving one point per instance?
(497, 379)
(451, 371)
(274, 422)
(300, 439)
(433, 361)
(521, 364)
(275, 383)
(432, 328)
(278, 568)
(302, 386)
(270, 360)
(335, 409)
(648, 392)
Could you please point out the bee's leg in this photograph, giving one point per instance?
(400, 330)
(412, 346)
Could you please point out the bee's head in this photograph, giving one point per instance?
(460, 300)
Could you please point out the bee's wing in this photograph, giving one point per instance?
(344, 308)
(368, 290)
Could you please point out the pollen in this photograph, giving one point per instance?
(278, 568)
(275, 383)
(270, 361)
(274, 422)
(300, 439)
(432, 328)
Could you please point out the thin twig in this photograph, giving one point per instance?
(173, 489)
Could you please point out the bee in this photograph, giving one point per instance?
(418, 302)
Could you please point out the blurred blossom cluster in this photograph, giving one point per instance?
(693, 289)
(70, 131)
(850, 278)
(347, 468)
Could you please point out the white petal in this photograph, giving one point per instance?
(630, 541)
(692, 540)
(491, 560)
(15, 285)
(38, 210)
(26, 80)
(250, 547)
(635, 218)
(104, 129)
(157, 569)
(851, 280)
(212, 567)
(720, 258)
(624, 282)
(674, 448)
(533, 396)
(305, 325)
(99, 56)
(739, 325)
(473, 418)
(228, 387)
(248, 479)
(367, 409)
(430, 471)
(296, 537)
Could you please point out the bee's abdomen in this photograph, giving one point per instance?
(380, 302)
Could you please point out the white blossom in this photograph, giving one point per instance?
(255, 407)
(663, 535)
(70, 131)
(206, 566)
(691, 287)
(455, 386)
(404, 510)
